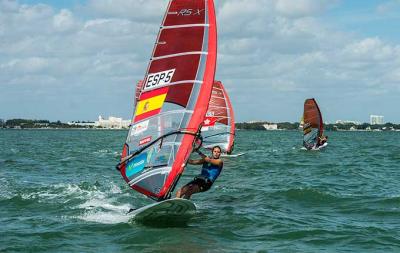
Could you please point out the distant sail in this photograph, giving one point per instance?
(219, 123)
(173, 99)
(313, 126)
(138, 89)
(301, 124)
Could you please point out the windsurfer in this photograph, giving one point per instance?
(322, 140)
(212, 167)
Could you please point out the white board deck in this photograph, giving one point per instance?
(321, 147)
(234, 155)
(168, 211)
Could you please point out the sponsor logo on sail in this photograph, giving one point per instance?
(136, 165)
(209, 121)
(139, 128)
(145, 140)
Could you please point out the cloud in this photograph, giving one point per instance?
(277, 52)
(301, 8)
(388, 6)
(282, 47)
(64, 20)
(137, 10)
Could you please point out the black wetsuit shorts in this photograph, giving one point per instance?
(203, 182)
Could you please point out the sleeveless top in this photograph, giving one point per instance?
(210, 171)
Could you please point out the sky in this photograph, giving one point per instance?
(78, 59)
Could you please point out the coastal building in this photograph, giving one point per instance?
(112, 122)
(270, 126)
(344, 122)
(82, 124)
(376, 120)
(254, 121)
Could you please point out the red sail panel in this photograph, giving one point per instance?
(183, 12)
(166, 45)
(179, 94)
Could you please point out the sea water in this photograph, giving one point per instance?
(60, 192)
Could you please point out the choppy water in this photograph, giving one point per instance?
(59, 192)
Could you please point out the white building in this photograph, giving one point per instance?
(82, 124)
(376, 120)
(254, 121)
(344, 122)
(270, 126)
(112, 122)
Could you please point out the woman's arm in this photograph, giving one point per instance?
(196, 162)
(205, 158)
(217, 162)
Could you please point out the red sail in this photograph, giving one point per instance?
(219, 123)
(139, 86)
(174, 97)
(313, 126)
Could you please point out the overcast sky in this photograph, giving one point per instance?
(75, 59)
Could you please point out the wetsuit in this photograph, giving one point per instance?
(207, 177)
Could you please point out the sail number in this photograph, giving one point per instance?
(159, 79)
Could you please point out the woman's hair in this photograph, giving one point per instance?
(216, 147)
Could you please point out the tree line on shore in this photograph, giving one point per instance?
(329, 127)
(27, 123)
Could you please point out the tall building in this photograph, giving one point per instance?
(376, 120)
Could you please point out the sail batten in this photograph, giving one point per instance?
(179, 54)
(184, 26)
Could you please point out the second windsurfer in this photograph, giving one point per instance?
(212, 167)
(322, 140)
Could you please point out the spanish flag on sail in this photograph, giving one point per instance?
(150, 103)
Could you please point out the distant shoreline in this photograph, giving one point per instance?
(237, 129)
(259, 125)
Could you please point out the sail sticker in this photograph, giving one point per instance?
(150, 103)
(139, 128)
(159, 79)
(136, 165)
(190, 12)
(209, 121)
(145, 140)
